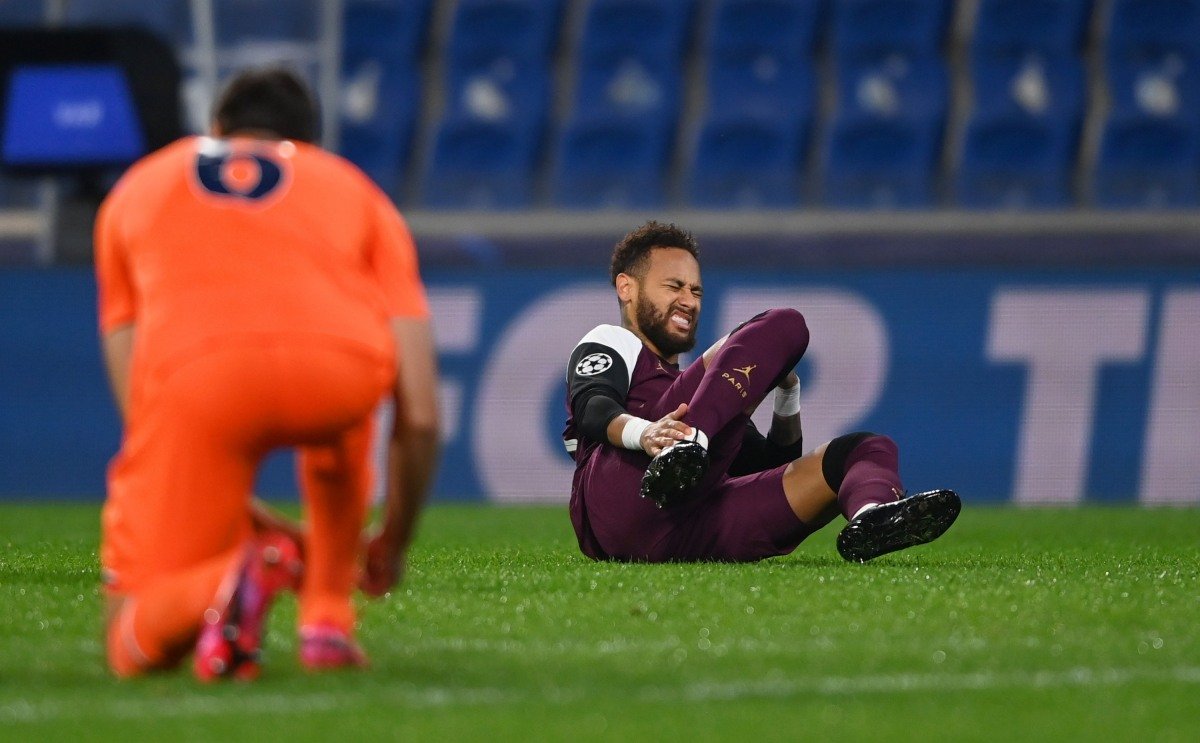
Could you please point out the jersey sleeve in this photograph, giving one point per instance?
(117, 294)
(392, 255)
(598, 377)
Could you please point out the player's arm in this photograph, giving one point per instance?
(785, 419)
(117, 345)
(598, 378)
(412, 453)
(117, 297)
(412, 448)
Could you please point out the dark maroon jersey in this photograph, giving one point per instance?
(613, 362)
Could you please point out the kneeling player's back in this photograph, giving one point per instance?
(216, 237)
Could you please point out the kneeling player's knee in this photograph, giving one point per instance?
(837, 454)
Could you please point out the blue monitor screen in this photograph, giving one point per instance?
(74, 114)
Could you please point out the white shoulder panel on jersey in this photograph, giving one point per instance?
(627, 345)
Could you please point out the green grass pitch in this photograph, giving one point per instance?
(1018, 625)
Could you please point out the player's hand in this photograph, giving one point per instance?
(666, 431)
(383, 565)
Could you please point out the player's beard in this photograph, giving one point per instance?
(656, 327)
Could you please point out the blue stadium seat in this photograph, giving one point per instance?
(893, 87)
(1033, 84)
(248, 21)
(1017, 162)
(884, 144)
(169, 19)
(397, 29)
(1161, 87)
(611, 163)
(484, 30)
(874, 27)
(379, 111)
(478, 164)
(747, 162)
(627, 88)
(1147, 163)
(1151, 27)
(888, 164)
(1022, 136)
(381, 87)
(506, 89)
(614, 149)
(1048, 26)
(1148, 149)
(761, 84)
(503, 106)
(786, 28)
(653, 31)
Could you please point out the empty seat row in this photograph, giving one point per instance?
(752, 141)
(835, 102)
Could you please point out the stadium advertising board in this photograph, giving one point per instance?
(1050, 386)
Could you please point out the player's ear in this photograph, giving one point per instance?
(625, 287)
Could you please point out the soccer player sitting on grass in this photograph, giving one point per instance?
(256, 292)
(669, 466)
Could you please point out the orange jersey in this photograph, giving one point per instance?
(208, 242)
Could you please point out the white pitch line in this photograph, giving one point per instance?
(202, 705)
(900, 683)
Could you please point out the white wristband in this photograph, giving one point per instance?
(787, 402)
(631, 434)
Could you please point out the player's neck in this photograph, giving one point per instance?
(632, 328)
(261, 134)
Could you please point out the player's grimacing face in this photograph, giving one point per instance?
(667, 304)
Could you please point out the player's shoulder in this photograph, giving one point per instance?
(613, 336)
(152, 171)
(334, 166)
(598, 348)
(153, 165)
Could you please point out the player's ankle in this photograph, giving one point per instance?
(864, 509)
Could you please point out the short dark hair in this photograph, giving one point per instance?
(629, 255)
(272, 99)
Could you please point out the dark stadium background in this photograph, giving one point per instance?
(986, 208)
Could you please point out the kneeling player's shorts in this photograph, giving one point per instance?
(179, 489)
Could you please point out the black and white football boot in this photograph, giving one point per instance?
(674, 471)
(888, 527)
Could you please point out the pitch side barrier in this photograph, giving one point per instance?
(1039, 381)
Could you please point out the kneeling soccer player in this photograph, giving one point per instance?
(256, 292)
(669, 466)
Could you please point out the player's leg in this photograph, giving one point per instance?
(740, 519)
(331, 396)
(734, 375)
(769, 513)
(751, 362)
(732, 379)
(336, 484)
(156, 627)
(762, 515)
(861, 472)
(176, 524)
